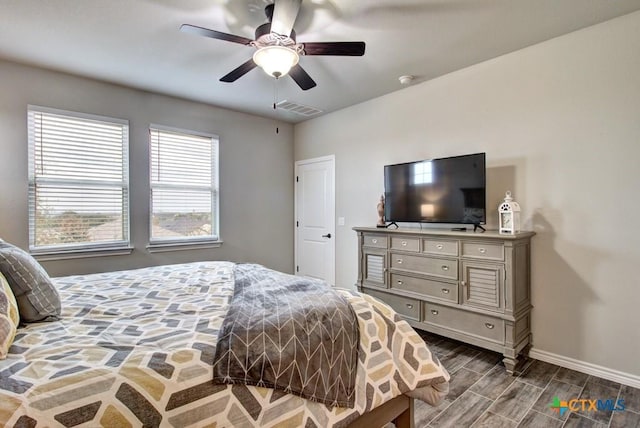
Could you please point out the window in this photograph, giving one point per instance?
(78, 181)
(184, 186)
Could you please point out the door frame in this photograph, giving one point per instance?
(332, 159)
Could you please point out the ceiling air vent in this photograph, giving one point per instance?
(296, 108)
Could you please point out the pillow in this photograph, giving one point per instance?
(9, 317)
(37, 298)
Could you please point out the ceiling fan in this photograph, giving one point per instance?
(277, 51)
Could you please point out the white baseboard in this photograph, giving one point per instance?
(588, 368)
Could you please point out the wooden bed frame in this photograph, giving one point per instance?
(399, 411)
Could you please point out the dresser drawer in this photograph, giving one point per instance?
(427, 287)
(406, 306)
(444, 268)
(440, 246)
(461, 321)
(405, 244)
(375, 241)
(482, 250)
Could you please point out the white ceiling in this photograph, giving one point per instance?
(138, 43)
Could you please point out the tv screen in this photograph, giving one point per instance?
(446, 190)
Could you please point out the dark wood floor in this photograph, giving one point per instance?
(482, 394)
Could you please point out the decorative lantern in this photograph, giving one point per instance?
(509, 212)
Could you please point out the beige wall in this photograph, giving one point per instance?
(560, 123)
(256, 168)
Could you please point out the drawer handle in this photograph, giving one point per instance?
(409, 305)
(399, 282)
(463, 283)
(445, 268)
(404, 243)
(445, 290)
(489, 325)
(439, 246)
(434, 312)
(399, 261)
(375, 241)
(482, 250)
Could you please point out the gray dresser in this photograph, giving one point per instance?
(473, 287)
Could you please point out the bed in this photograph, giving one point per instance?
(136, 348)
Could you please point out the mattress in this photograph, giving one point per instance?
(135, 348)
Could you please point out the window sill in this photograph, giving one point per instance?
(161, 247)
(82, 253)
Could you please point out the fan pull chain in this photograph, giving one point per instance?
(275, 99)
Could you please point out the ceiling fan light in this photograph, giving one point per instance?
(276, 61)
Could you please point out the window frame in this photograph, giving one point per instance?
(86, 249)
(195, 242)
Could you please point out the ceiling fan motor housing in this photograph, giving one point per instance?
(264, 37)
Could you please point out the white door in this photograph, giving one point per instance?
(315, 218)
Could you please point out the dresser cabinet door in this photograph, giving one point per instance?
(483, 285)
(374, 267)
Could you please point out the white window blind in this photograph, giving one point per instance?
(78, 180)
(184, 185)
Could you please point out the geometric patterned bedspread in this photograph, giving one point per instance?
(135, 348)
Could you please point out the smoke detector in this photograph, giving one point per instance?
(405, 80)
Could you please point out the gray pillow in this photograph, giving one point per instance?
(37, 298)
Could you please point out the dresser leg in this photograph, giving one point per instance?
(510, 364)
(525, 351)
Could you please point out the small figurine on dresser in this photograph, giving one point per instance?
(381, 222)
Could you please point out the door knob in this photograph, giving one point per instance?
(328, 235)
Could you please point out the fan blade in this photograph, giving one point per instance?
(186, 28)
(334, 48)
(239, 72)
(285, 13)
(301, 77)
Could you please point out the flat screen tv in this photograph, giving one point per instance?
(447, 190)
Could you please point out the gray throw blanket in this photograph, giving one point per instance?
(290, 333)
